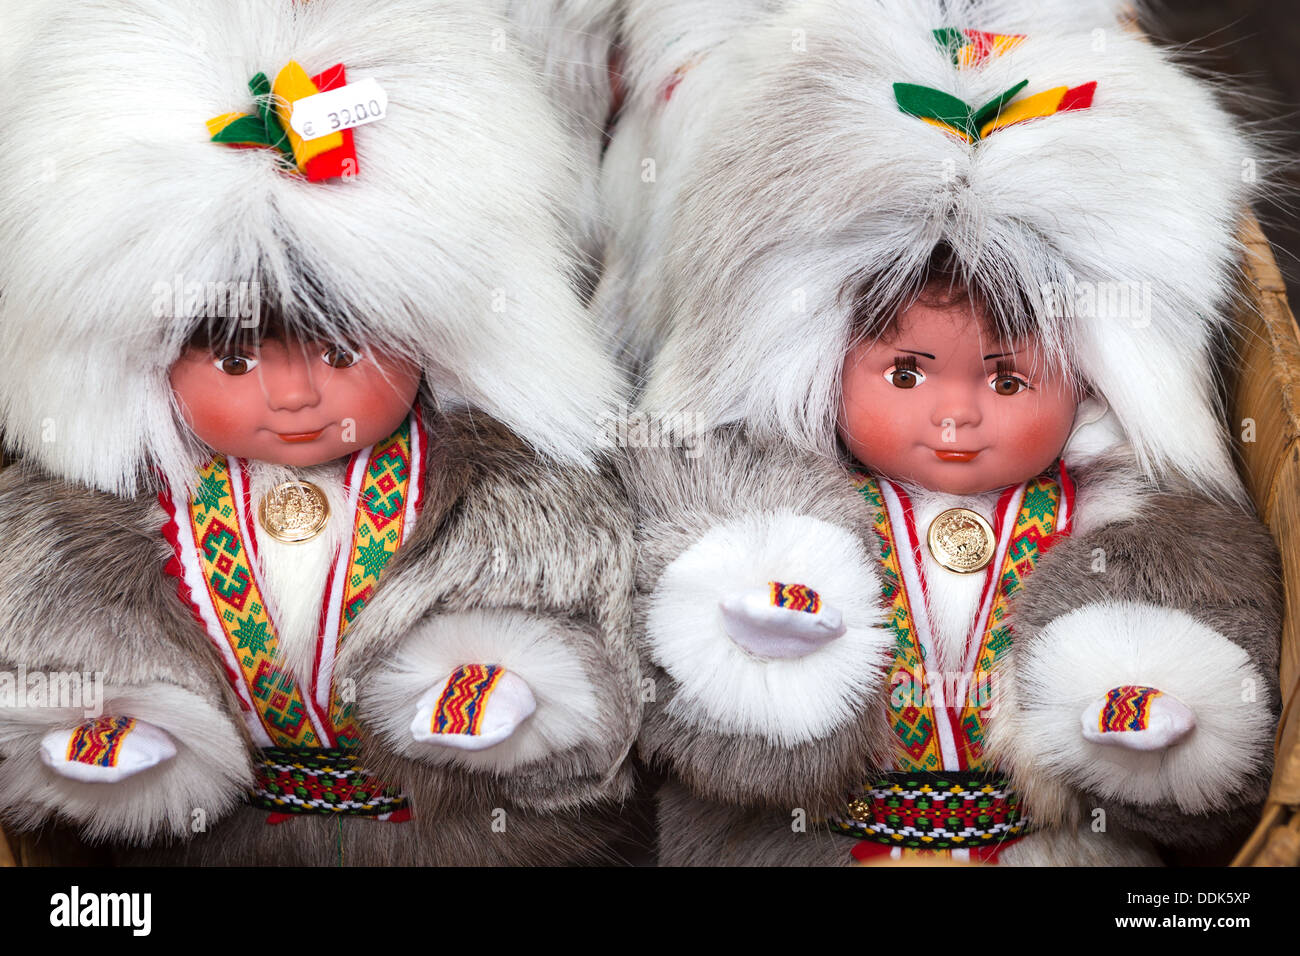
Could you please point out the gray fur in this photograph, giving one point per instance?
(1182, 551)
(679, 495)
(695, 832)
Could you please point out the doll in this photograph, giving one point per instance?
(309, 477)
(934, 319)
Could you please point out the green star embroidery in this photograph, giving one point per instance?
(253, 635)
(1038, 502)
(373, 557)
(210, 492)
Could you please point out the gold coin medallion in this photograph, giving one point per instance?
(293, 511)
(961, 540)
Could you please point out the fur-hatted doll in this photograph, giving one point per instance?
(307, 411)
(953, 558)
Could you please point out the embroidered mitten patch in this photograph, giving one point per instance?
(780, 620)
(477, 707)
(106, 749)
(1137, 717)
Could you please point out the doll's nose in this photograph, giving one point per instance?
(955, 410)
(290, 382)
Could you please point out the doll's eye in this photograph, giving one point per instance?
(1006, 383)
(904, 375)
(235, 364)
(337, 356)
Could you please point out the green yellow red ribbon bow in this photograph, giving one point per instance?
(329, 157)
(969, 48)
(973, 47)
(955, 116)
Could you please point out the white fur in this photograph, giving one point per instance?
(787, 701)
(785, 175)
(449, 245)
(1085, 653)
(294, 573)
(525, 644)
(572, 41)
(20, 20)
(210, 771)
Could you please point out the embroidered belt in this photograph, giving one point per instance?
(299, 780)
(935, 811)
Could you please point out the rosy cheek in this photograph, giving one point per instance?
(216, 406)
(377, 397)
(1040, 435)
(874, 420)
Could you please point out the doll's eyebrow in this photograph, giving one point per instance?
(922, 354)
(999, 355)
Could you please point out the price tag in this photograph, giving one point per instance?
(336, 110)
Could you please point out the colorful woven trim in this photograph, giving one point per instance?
(225, 563)
(1127, 708)
(914, 725)
(934, 811)
(1036, 522)
(213, 535)
(795, 597)
(914, 721)
(969, 48)
(464, 701)
(320, 780)
(327, 157)
(99, 741)
(381, 516)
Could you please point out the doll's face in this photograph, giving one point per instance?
(292, 403)
(940, 403)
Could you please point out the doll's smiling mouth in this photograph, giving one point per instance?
(296, 437)
(955, 455)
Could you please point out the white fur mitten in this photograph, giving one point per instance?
(476, 707)
(1137, 718)
(106, 749)
(781, 620)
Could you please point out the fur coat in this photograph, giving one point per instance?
(510, 562)
(1189, 601)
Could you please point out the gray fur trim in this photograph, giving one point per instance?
(84, 589)
(500, 529)
(1183, 551)
(461, 836)
(84, 592)
(694, 832)
(679, 495)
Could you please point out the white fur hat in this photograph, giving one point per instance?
(572, 42)
(1116, 223)
(449, 244)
